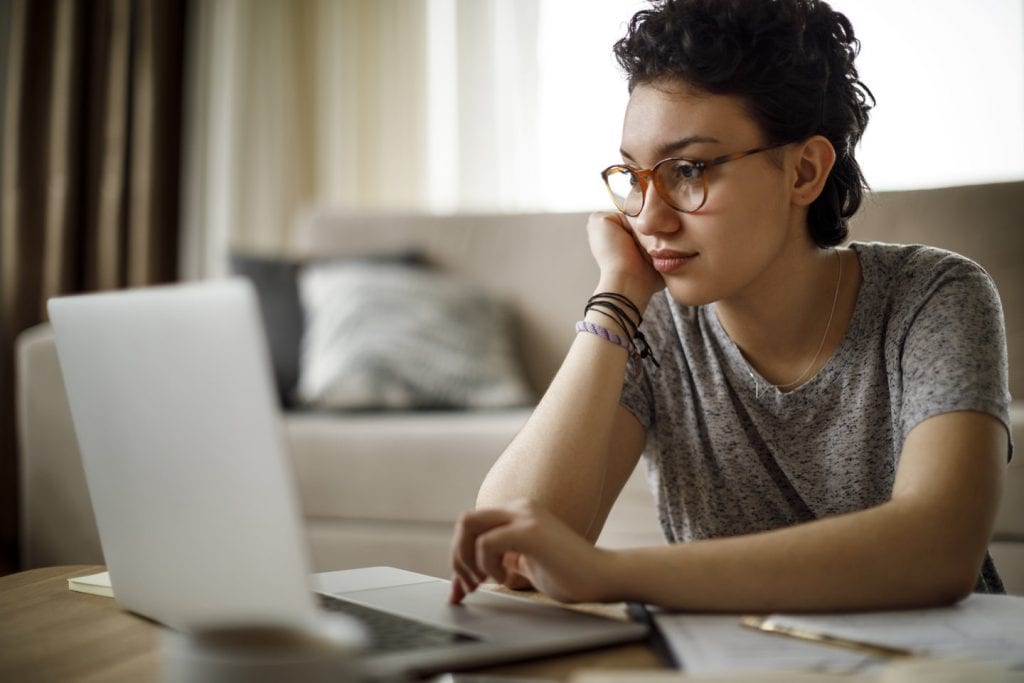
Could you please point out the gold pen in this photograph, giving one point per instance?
(768, 625)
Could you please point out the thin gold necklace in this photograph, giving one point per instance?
(828, 326)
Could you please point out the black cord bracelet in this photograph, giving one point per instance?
(607, 304)
(616, 313)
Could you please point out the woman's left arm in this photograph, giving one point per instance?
(923, 547)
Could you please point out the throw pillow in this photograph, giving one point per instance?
(278, 293)
(391, 335)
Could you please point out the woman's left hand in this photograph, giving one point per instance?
(525, 539)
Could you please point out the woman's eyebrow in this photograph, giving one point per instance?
(675, 147)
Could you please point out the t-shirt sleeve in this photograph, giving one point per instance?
(638, 397)
(637, 388)
(954, 348)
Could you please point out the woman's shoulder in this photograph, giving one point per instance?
(909, 261)
(899, 279)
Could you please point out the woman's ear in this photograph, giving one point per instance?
(813, 162)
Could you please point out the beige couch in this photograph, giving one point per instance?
(386, 488)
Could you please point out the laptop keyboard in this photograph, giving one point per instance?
(388, 632)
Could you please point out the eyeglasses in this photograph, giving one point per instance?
(681, 183)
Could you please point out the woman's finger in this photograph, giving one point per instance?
(489, 556)
(459, 590)
(518, 574)
(515, 537)
(468, 529)
(468, 581)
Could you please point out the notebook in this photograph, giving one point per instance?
(173, 404)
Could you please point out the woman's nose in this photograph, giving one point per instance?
(656, 216)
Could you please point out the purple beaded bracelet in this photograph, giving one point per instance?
(607, 335)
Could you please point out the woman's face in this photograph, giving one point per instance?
(746, 226)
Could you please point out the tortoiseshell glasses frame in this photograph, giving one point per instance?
(680, 182)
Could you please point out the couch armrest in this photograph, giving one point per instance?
(57, 522)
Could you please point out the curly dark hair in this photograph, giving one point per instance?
(790, 61)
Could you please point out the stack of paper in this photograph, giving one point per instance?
(904, 671)
(97, 584)
(982, 627)
(987, 627)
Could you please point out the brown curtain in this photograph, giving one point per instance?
(89, 173)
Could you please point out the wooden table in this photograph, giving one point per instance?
(49, 633)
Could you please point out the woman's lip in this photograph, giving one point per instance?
(666, 260)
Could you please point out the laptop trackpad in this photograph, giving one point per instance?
(484, 614)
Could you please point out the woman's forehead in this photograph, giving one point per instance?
(665, 115)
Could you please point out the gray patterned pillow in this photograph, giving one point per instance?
(385, 335)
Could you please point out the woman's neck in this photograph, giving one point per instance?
(790, 320)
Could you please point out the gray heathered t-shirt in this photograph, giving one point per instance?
(729, 454)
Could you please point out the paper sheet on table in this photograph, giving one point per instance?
(981, 626)
(96, 584)
(708, 644)
(901, 671)
(989, 627)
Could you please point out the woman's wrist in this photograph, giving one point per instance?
(629, 286)
(627, 317)
(614, 571)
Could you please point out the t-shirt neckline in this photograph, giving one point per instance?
(760, 387)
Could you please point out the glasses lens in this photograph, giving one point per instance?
(626, 190)
(681, 183)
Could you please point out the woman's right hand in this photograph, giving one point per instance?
(523, 540)
(625, 265)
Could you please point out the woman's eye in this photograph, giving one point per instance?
(684, 171)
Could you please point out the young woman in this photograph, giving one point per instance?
(825, 428)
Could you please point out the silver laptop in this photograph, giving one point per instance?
(172, 400)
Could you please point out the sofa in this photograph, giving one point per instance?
(385, 486)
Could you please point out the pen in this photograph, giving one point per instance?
(768, 625)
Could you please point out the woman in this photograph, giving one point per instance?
(825, 428)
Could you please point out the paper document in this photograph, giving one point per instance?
(902, 671)
(711, 644)
(981, 626)
(96, 584)
(987, 627)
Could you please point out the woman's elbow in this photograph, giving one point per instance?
(955, 589)
(950, 579)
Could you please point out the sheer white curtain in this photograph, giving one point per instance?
(397, 104)
(244, 144)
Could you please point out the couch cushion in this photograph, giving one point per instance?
(388, 335)
(396, 466)
(539, 263)
(346, 544)
(277, 291)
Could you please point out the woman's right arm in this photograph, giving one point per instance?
(578, 448)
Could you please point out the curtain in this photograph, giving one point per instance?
(89, 175)
(359, 104)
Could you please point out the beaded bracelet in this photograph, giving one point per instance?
(608, 335)
(614, 312)
(606, 303)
